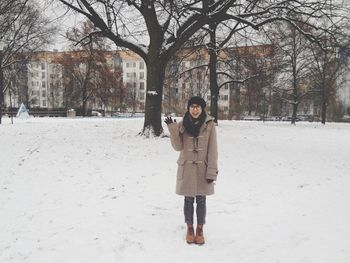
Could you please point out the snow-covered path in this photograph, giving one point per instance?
(90, 190)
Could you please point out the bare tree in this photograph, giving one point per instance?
(293, 83)
(110, 92)
(156, 29)
(23, 28)
(83, 66)
(78, 78)
(326, 69)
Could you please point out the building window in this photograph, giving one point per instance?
(142, 75)
(134, 64)
(43, 93)
(42, 66)
(142, 96)
(43, 84)
(44, 103)
(142, 65)
(128, 75)
(142, 85)
(35, 93)
(42, 75)
(225, 97)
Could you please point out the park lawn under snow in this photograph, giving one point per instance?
(90, 190)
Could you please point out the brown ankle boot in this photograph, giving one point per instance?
(199, 238)
(190, 234)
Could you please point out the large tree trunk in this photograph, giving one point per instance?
(1, 89)
(249, 94)
(323, 104)
(235, 102)
(324, 113)
(214, 88)
(295, 84)
(294, 115)
(84, 102)
(295, 105)
(153, 107)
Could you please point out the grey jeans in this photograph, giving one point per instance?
(201, 209)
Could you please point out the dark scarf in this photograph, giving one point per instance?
(192, 126)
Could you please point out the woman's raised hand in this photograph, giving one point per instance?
(169, 120)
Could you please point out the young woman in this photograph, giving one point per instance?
(195, 138)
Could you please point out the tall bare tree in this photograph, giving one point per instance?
(109, 92)
(326, 69)
(294, 81)
(23, 28)
(156, 29)
(83, 67)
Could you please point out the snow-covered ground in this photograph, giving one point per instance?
(90, 190)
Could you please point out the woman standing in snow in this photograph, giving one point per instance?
(195, 138)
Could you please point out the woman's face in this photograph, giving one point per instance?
(195, 110)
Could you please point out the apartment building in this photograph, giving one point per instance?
(45, 84)
(42, 81)
(344, 91)
(188, 75)
(134, 78)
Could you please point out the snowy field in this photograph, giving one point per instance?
(90, 190)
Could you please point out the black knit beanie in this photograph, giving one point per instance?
(196, 100)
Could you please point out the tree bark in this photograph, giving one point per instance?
(84, 103)
(214, 88)
(1, 87)
(235, 102)
(295, 84)
(324, 105)
(153, 107)
(294, 114)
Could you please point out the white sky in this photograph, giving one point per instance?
(65, 20)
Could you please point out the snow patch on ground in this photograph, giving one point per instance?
(91, 190)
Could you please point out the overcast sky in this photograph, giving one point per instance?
(65, 21)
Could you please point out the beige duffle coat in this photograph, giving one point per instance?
(198, 160)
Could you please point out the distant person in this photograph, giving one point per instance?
(195, 138)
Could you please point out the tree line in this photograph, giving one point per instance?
(156, 30)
